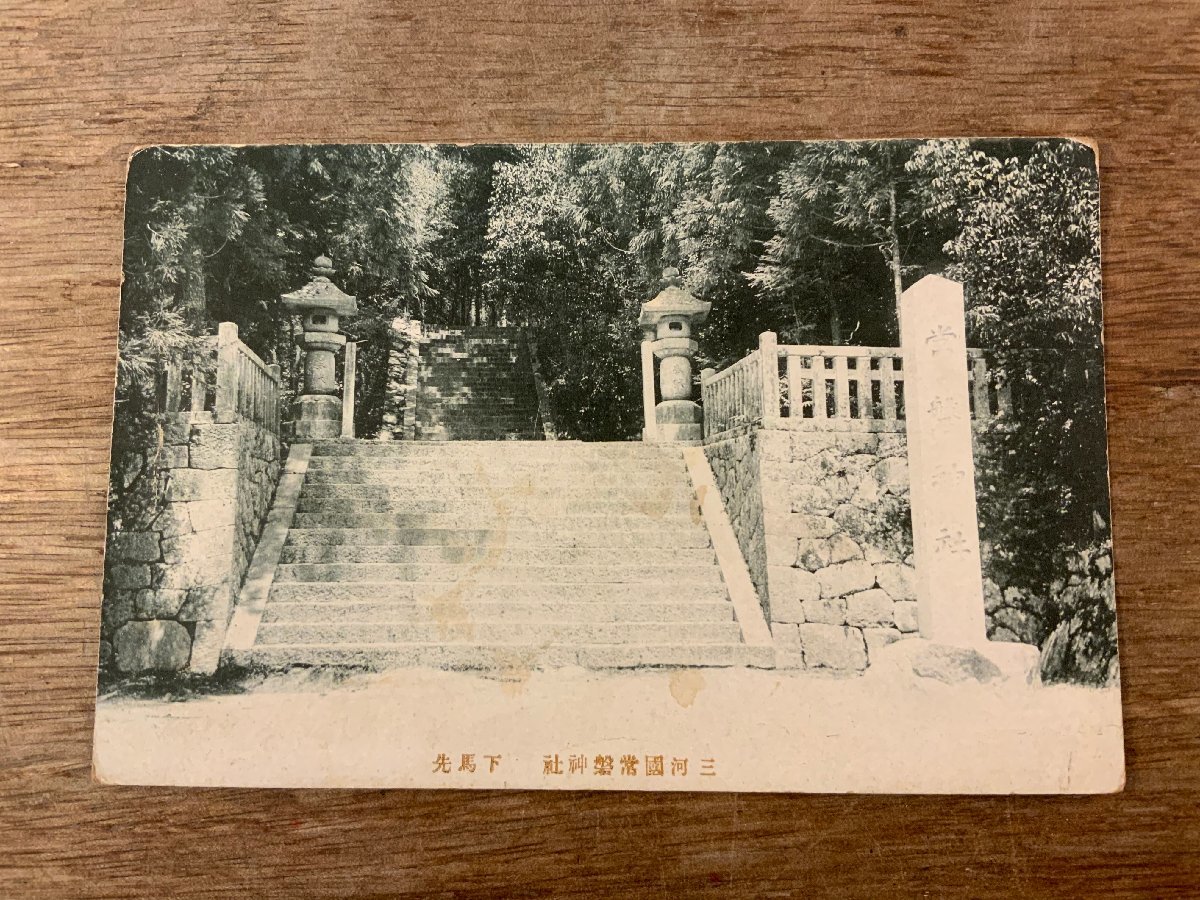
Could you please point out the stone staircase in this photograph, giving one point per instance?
(476, 384)
(498, 555)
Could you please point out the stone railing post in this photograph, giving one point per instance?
(650, 423)
(669, 318)
(225, 407)
(349, 374)
(768, 356)
(276, 373)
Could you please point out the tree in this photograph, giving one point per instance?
(1027, 251)
(847, 219)
(556, 265)
(719, 227)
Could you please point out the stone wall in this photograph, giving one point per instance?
(171, 578)
(399, 410)
(839, 564)
(734, 460)
(822, 519)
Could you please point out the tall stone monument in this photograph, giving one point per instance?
(318, 412)
(667, 323)
(951, 615)
(949, 578)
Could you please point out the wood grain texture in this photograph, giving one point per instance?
(82, 84)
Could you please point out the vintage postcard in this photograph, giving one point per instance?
(678, 467)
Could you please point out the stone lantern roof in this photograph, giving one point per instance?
(673, 302)
(321, 293)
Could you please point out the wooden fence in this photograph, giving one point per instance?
(226, 381)
(829, 388)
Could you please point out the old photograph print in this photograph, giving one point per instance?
(713, 466)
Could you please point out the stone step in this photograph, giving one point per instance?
(498, 338)
(466, 424)
(442, 592)
(472, 348)
(476, 383)
(384, 473)
(500, 574)
(481, 399)
(473, 341)
(504, 657)
(468, 428)
(490, 479)
(492, 518)
(461, 408)
(474, 351)
(651, 507)
(441, 371)
(499, 554)
(463, 419)
(510, 332)
(443, 607)
(516, 491)
(484, 408)
(458, 464)
(441, 435)
(504, 405)
(485, 632)
(503, 356)
(551, 450)
(466, 421)
(687, 537)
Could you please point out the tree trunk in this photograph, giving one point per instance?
(835, 323)
(193, 305)
(894, 253)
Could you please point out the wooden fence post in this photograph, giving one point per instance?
(768, 351)
(225, 408)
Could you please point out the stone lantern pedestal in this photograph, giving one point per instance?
(667, 323)
(318, 411)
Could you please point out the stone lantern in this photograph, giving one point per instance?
(667, 323)
(318, 412)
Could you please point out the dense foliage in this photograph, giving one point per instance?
(1027, 248)
(813, 241)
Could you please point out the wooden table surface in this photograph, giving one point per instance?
(83, 83)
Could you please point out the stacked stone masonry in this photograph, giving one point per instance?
(170, 585)
(821, 518)
(476, 384)
(404, 361)
(736, 470)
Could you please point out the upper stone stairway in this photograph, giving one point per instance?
(498, 555)
(476, 384)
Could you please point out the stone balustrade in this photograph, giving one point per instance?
(172, 571)
(810, 449)
(836, 388)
